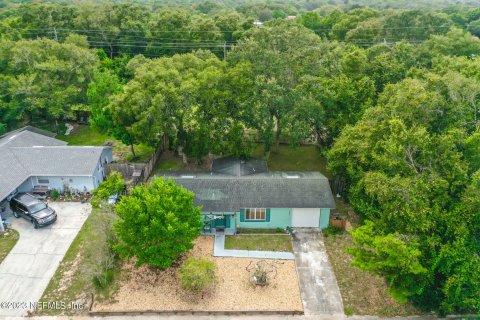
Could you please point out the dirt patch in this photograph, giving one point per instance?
(363, 293)
(150, 289)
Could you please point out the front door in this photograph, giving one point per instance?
(220, 222)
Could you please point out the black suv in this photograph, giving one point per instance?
(27, 206)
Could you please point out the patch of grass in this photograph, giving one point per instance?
(7, 242)
(169, 165)
(301, 158)
(260, 231)
(332, 231)
(281, 243)
(363, 293)
(169, 161)
(84, 135)
(73, 279)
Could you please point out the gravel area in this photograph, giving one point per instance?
(149, 289)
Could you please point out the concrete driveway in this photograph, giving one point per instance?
(28, 268)
(318, 285)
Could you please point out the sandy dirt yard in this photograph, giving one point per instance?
(148, 289)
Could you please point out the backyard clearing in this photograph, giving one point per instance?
(280, 242)
(159, 290)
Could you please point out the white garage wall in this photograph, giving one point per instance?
(305, 217)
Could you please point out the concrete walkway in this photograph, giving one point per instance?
(220, 251)
(28, 268)
(318, 285)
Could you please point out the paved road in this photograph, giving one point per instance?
(318, 285)
(236, 317)
(28, 268)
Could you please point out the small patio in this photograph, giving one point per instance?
(223, 223)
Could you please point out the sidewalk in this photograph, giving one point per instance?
(219, 251)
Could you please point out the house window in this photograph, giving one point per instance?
(43, 181)
(255, 214)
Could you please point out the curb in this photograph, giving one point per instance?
(195, 312)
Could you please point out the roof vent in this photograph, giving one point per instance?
(293, 176)
(187, 177)
(37, 146)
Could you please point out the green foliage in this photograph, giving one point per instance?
(158, 223)
(394, 256)
(43, 79)
(113, 184)
(410, 161)
(197, 274)
(54, 194)
(332, 231)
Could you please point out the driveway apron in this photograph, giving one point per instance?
(28, 268)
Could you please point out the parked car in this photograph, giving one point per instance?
(38, 212)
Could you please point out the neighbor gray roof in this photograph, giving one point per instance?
(238, 167)
(28, 152)
(225, 193)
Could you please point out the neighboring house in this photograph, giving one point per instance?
(31, 157)
(243, 194)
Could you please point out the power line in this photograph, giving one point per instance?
(227, 31)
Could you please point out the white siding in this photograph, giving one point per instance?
(99, 172)
(305, 217)
(79, 184)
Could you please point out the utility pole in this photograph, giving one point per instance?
(224, 50)
(55, 34)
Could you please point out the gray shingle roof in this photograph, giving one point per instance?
(28, 152)
(61, 161)
(225, 193)
(28, 139)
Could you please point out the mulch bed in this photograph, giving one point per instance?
(145, 288)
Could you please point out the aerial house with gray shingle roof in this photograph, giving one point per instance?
(30, 157)
(244, 194)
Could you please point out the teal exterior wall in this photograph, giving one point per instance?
(324, 218)
(279, 218)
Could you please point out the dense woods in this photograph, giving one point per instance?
(389, 93)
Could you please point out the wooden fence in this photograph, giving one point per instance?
(338, 185)
(135, 173)
(338, 223)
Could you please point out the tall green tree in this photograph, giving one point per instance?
(158, 223)
(44, 79)
(280, 54)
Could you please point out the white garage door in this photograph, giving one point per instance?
(305, 217)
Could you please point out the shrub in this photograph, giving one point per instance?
(114, 184)
(55, 194)
(158, 222)
(197, 274)
(280, 230)
(332, 231)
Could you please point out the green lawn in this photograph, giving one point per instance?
(7, 242)
(260, 231)
(280, 243)
(301, 158)
(86, 136)
(72, 280)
